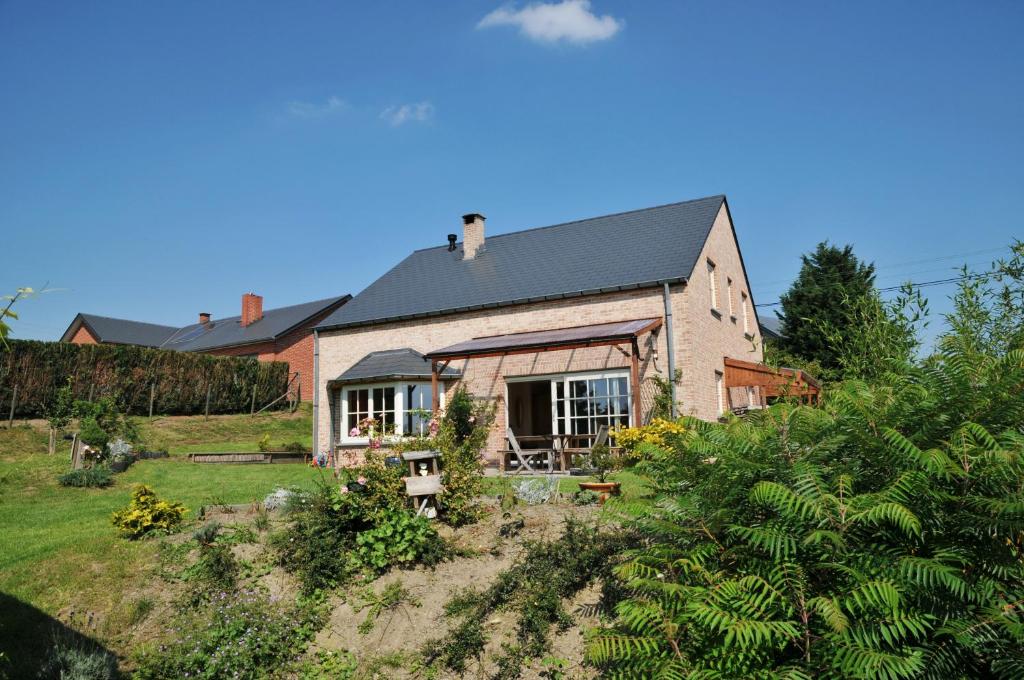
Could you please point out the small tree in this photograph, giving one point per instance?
(60, 413)
(830, 280)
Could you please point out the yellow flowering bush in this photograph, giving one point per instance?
(659, 432)
(146, 514)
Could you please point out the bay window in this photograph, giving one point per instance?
(392, 409)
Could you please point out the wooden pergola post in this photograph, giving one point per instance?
(634, 381)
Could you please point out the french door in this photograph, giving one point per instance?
(581, 404)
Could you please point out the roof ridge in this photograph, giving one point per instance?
(589, 219)
(117, 318)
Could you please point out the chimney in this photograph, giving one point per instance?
(472, 235)
(252, 308)
(204, 318)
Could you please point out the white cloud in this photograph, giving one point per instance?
(569, 20)
(333, 105)
(399, 115)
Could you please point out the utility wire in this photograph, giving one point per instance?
(915, 284)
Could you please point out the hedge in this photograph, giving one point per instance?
(125, 372)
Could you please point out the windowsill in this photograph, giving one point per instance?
(732, 317)
(748, 336)
(715, 313)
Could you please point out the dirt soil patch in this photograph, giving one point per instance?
(406, 628)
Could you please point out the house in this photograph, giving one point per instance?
(281, 334)
(564, 328)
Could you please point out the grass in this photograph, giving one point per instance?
(58, 549)
(195, 434)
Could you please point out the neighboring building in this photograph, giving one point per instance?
(282, 334)
(771, 328)
(565, 327)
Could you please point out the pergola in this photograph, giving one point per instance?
(772, 382)
(532, 342)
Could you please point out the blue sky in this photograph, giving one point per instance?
(160, 159)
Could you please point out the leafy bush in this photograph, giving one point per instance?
(240, 636)
(876, 537)
(659, 432)
(90, 432)
(461, 437)
(584, 497)
(323, 528)
(97, 476)
(398, 538)
(146, 514)
(73, 658)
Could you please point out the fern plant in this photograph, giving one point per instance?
(879, 536)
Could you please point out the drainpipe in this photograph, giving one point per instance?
(316, 392)
(670, 342)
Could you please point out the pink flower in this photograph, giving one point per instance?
(354, 432)
(343, 489)
(361, 480)
(472, 420)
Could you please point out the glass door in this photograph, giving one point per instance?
(581, 404)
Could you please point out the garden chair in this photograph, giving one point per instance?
(525, 455)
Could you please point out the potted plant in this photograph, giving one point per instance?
(603, 461)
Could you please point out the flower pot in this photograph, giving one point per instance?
(602, 489)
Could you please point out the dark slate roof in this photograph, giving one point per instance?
(574, 336)
(392, 364)
(228, 332)
(771, 327)
(121, 331)
(564, 260)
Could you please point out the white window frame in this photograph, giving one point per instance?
(745, 304)
(565, 378)
(728, 292)
(401, 390)
(713, 285)
(720, 392)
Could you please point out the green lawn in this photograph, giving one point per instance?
(57, 547)
(192, 434)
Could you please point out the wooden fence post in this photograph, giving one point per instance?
(207, 401)
(152, 395)
(252, 407)
(14, 402)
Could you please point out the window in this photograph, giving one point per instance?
(720, 391)
(401, 409)
(728, 292)
(752, 400)
(712, 285)
(746, 316)
(583, 403)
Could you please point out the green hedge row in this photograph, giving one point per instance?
(125, 372)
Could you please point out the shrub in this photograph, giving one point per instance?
(97, 476)
(323, 528)
(90, 432)
(397, 538)
(146, 514)
(876, 537)
(584, 497)
(74, 658)
(659, 432)
(239, 636)
(461, 437)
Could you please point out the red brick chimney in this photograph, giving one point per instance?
(252, 308)
(204, 317)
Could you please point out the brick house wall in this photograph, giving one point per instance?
(294, 348)
(701, 340)
(83, 337)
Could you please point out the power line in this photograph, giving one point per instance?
(915, 284)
